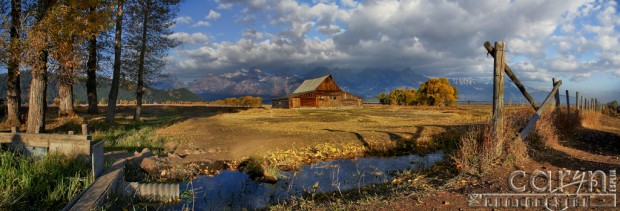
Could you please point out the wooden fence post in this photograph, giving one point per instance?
(577, 101)
(532, 122)
(567, 103)
(557, 94)
(498, 89)
(85, 130)
(513, 77)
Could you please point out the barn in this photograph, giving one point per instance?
(320, 92)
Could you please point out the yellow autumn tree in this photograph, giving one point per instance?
(436, 92)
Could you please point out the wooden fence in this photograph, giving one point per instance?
(500, 67)
(71, 144)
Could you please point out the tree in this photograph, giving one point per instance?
(614, 104)
(91, 73)
(113, 95)
(402, 96)
(37, 59)
(148, 41)
(436, 92)
(383, 98)
(13, 95)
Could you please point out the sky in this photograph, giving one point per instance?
(577, 41)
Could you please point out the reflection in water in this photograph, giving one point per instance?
(235, 190)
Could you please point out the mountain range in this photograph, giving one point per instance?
(366, 83)
(126, 90)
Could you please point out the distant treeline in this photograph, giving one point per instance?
(245, 101)
(434, 92)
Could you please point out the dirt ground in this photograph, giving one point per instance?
(257, 131)
(589, 148)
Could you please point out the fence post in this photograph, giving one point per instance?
(498, 89)
(557, 94)
(596, 103)
(85, 130)
(581, 103)
(567, 103)
(513, 77)
(577, 101)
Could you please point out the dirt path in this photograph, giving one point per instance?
(594, 147)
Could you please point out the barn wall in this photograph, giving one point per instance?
(307, 99)
(328, 85)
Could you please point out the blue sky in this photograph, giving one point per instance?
(574, 40)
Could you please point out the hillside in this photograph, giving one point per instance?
(126, 91)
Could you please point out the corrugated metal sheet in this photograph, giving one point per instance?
(310, 85)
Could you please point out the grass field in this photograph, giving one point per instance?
(295, 137)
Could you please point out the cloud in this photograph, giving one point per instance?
(187, 38)
(202, 23)
(435, 38)
(213, 15)
(183, 20)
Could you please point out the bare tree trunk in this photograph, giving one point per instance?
(13, 95)
(37, 104)
(117, 64)
(65, 91)
(91, 81)
(140, 88)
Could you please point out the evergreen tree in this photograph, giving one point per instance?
(148, 41)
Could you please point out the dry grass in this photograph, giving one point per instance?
(308, 134)
(589, 118)
(480, 150)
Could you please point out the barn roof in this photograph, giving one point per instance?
(310, 84)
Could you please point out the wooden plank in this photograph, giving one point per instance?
(498, 89)
(39, 139)
(567, 103)
(557, 94)
(97, 159)
(530, 124)
(95, 195)
(513, 77)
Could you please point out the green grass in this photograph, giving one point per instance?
(131, 136)
(46, 183)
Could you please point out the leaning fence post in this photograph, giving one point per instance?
(498, 89)
(567, 103)
(557, 94)
(532, 122)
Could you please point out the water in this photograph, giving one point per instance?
(235, 190)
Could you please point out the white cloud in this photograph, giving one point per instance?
(183, 20)
(202, 23)
(193, 38)
(436, 38)
(213, 15)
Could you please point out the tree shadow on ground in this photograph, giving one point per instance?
(411, 142)
(580, 140)
(593, 141)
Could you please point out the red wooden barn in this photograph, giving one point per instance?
(320, 92)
